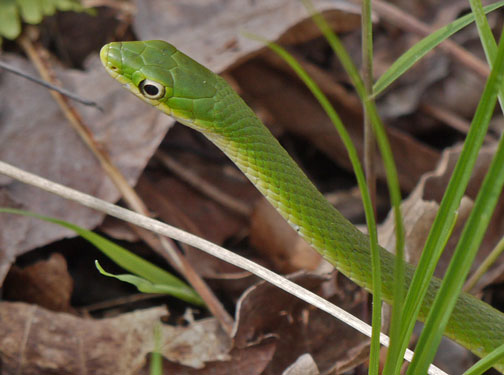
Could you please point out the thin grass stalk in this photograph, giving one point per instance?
(484, 266)
(473, 233)
(369, 166)
(487, 39)
(486, 363)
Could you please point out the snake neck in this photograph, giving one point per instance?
(252, 147)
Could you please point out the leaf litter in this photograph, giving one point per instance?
(274, 332)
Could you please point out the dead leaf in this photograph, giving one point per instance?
(46, 283)
(36, 137)
(264, 310)
(246, 361)
(37, 341)
(356, 356)
(420, 208)
(209, 31)
(179, 205)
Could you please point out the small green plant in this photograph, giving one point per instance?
(148, 278)
(14, 12)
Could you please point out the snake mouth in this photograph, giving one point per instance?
(110, 56)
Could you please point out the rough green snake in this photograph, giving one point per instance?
(164, 77)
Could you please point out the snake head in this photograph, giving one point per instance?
(164, 77)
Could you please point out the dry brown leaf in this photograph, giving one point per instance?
(46, 283)
(251, 360)
(35, 136)
(118, 229)
(264, 310)
(209, 30)
(36, 341)
(404, 98)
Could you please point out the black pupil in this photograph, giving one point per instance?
(151, 90)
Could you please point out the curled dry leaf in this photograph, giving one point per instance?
(420, 209)
(35, 136)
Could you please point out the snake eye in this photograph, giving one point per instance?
(151, 89)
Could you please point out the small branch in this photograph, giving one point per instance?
(41, 82)
(207, 246)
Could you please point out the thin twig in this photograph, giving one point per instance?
(41, 82)
(204, 245)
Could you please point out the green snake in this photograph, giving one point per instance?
(166, 78)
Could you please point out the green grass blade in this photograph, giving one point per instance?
(487, 40)
(420, 49)
(126, 259)
(473, 233)
(487, 362)
(485, 33)
(441, 229)
(442, 225)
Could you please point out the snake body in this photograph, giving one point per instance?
(164, 77)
